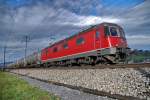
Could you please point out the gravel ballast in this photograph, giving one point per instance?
(63, 92)
(124, 81)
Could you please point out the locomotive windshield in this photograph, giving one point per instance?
(114, 31)
(122, 33)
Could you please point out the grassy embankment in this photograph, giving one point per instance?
(13, 88)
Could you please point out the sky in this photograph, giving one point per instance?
(47, 21)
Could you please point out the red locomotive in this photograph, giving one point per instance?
(102, 43)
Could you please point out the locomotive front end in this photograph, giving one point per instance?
(117, 42)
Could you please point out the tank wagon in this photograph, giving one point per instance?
(103, 43)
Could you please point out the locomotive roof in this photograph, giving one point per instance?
(80, 32)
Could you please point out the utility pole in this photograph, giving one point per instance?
(4, 58)
(26, 37)
(26, 45)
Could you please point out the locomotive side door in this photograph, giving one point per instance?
(98, 43)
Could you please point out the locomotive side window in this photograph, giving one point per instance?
(113, 31)
(55, 49)
(65, 46)
(80, 41)
(106, 30)
(97, 35)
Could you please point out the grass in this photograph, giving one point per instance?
(13, 88)
(139, 58)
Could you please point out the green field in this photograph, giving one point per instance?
(13, 88)
(139, 57)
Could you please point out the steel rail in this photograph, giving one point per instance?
(140, 65)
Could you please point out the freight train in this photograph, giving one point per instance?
(103, 43)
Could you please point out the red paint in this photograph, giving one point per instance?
(91, 43)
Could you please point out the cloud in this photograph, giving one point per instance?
(136, 20)
(43, 19)
(92, 20)
(39, 20)
(139, 39)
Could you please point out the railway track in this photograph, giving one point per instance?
(140, 65)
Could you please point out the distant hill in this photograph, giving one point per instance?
(139, 56)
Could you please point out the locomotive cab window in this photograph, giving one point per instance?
(80, 41)
(122, 33)
(97, 34)
(113, 31)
